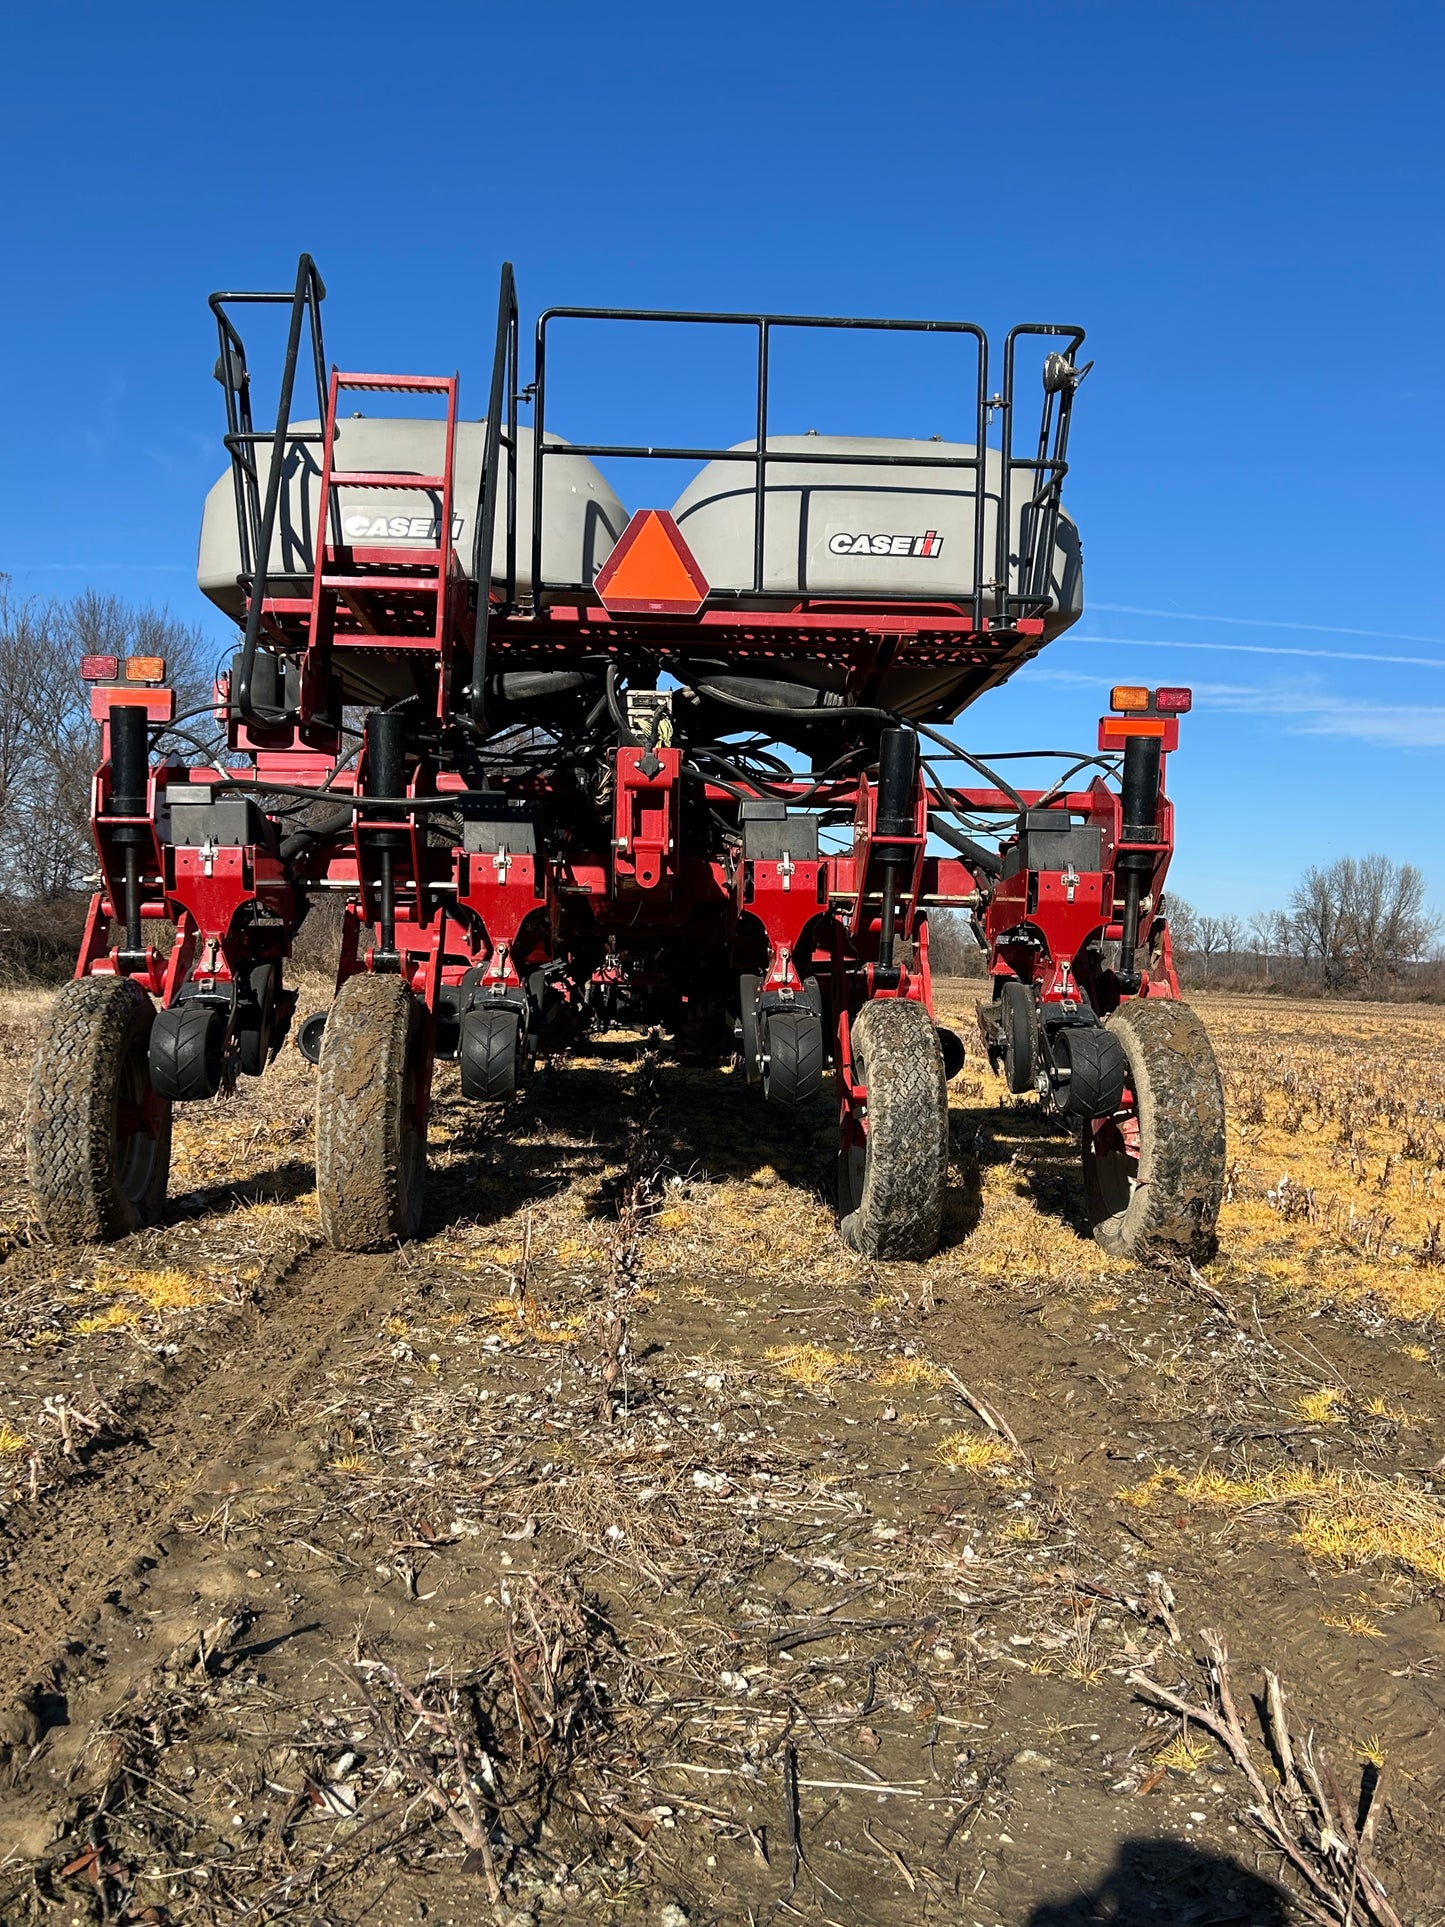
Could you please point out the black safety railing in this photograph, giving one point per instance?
(255, 514)
(504, 388)
(1019, 585)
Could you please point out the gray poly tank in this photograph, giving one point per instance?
(581, 517)
(864, 533)
(860, 531)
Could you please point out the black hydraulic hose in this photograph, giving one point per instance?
(617, 712)
(302, 838)
(860, 713)
(974, 853)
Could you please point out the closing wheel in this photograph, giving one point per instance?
(1154, 1171)
(792, 1058)
(490, 1053)
(370, 1152)
(1016, 1023)
(893, 1168)
(97, 1134)
(188, 1049)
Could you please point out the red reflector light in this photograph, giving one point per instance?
(99, 668)
(1128, 696)
(1173, 702)
(145, 669)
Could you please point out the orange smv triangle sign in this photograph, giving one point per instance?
(652, 571)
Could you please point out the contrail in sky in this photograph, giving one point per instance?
(1274, 649)
(1266, 622)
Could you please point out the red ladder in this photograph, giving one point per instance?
(385, 599)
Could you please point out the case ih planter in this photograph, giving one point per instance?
(563, 765)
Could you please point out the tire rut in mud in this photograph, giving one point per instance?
(85, 1540)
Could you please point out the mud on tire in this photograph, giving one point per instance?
(370, 1157)
(97, 1137)
(1165, 1205)
(890, 1190)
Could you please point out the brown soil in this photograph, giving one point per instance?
(627, 1549)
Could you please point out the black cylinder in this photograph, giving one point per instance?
(129, 759)
(897, 780)
(1141, 788)
(386, 753)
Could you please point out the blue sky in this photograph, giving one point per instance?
(1241, 204)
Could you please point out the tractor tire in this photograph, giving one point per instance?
(793, 1058)
(490, 1053)
(188, 1050)
(97, 1135)
(890, 1188)
(1161, 1202)
(370, 1156)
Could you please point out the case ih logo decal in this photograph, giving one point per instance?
(396, 528)
(929, 543)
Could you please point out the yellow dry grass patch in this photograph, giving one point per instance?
(966, 1452)
(527, 1320)
(11, 1441)
(909, 1371)
(813, 1365)
(1348, 1519)
(164, 1290)
(1185, 1753)
(1322, 1407)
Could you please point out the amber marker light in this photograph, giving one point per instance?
(1128, 696)
(145, 669)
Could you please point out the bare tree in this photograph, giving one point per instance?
(48, 742)
(1385, 921)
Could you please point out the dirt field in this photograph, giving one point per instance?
(629, 1550)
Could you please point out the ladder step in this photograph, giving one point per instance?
(399, 384)
(380, 478)
(383, 584)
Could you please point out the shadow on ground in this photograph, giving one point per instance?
(1167, 1883)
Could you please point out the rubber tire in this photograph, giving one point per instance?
(188, 1050)
(253, 1041)
(793, 1059)
(1172, 1210)
(91, 1180)
(490, 1054)
(752, 1052)
(1098, 1069)
(370, 1159)
(892, 1207)
(1016, 1027)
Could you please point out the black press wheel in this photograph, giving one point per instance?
(1154, 1170)
(97, 1135)
(793, 1058)
(370, 1153)
(188, 1049)
(1017, 1024)
(490, 1052)
(891, 1178)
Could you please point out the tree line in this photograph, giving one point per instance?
(1357, 924)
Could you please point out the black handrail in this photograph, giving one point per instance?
(256, 522)
(504, 369)
(1049, 465)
